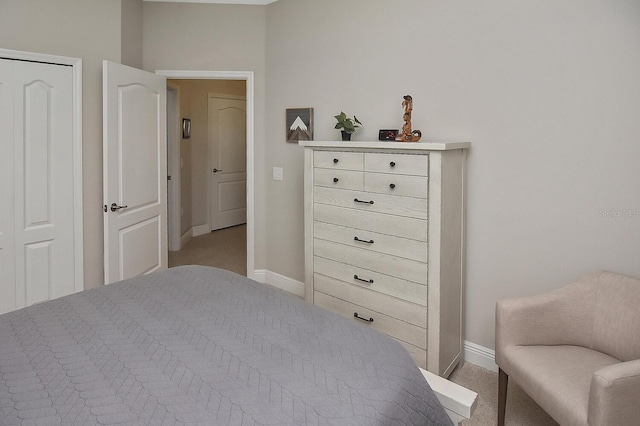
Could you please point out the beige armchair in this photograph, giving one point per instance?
(575, 351)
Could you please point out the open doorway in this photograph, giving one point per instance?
(195, 167)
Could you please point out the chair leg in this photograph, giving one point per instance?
(503, 380)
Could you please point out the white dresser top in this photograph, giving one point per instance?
(404, 146)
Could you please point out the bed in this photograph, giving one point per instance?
(201, 345)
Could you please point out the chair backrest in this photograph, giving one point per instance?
(616, 320)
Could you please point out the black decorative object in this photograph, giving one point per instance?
(387, 134)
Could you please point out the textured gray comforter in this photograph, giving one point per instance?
(199, 345)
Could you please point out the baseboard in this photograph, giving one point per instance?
(193, 232)
(473, 353)
(279, 281)
(480, 356)
(201, 230)
(186, 237)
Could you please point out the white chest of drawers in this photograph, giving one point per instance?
(384, 241)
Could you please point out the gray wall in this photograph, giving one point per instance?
(209, 37)
(131, 43)
(87, 29)
(547, 92)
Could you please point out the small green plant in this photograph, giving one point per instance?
(347, 124)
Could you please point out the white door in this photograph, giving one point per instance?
(135, 172)
(37, 204)
(228, 148)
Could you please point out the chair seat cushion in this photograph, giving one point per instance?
(558, 378)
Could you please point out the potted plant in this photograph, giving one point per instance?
(347, 125)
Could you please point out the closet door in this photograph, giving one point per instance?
(40, 199)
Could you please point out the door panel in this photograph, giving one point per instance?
(44, 187)
(232, 124)
(37, 240)
(135, 241)
(231, 196)
(138, 145)
(227, 144)
(135, 172)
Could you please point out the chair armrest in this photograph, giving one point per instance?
(563, 316)
(614, 398)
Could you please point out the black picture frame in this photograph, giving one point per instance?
(186, 128)
(299, 124)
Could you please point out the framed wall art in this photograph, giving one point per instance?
(299, 124)
(186, 128)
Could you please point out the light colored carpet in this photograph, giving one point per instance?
(521, 409)
(227, 249)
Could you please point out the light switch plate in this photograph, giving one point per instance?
(278, 173)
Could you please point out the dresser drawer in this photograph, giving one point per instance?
(403, 164)
(405, 227)
(385, 284)
(344, 179)
(396, 328)
(382, 243)
(366, 259)
(378, 302)
(385, 183)
(372, 202)
(339, 160)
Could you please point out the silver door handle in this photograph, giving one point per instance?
(115, 207)
(216, 170)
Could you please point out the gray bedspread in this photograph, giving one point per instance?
(200, 345)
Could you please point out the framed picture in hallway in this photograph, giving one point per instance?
(186, 128)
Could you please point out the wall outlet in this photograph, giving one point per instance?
(278, 173)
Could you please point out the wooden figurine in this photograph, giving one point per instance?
(407, 134)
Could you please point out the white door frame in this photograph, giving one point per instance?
(247, 76)
(173, 161)
(76, 65)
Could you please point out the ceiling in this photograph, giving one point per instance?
(218, 1)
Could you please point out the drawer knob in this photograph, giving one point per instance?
(370, 281)
(392, 164)
(355, 314)
(335, 161)
(363, 202)
(392, 185)
(335, 180)
(362, 241)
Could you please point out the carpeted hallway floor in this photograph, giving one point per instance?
(227, 249)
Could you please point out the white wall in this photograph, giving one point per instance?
(547, 92)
